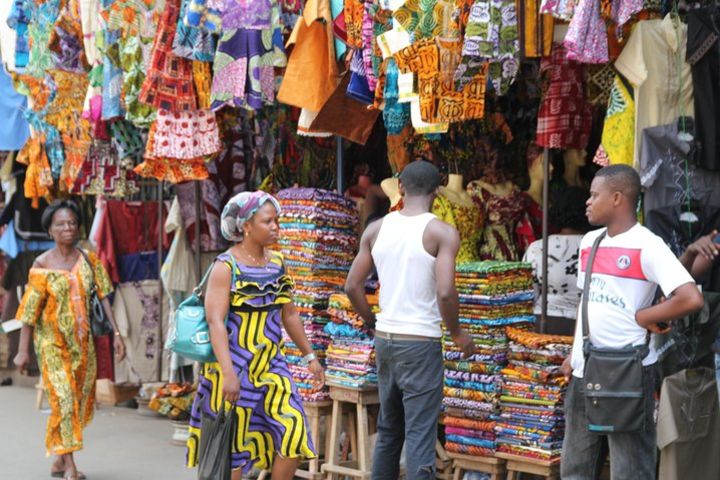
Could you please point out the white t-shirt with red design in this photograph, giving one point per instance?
(627, 270)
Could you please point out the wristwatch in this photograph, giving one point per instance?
(307, 359)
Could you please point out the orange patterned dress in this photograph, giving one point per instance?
(56, 304)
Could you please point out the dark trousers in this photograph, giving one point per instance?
(410, 380)
(633, 456)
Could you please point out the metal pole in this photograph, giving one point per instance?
(340, 161)
(545, 238)
(198, 246)
(161, 229)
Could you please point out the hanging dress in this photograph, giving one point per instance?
(269, 410)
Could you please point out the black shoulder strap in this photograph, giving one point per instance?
(586, 286)
(92, 270)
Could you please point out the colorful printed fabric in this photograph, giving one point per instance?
(240, 209)
(565, 116)
(502, 214)
(618, 137)
(250, 14)
(244, 68)
(204, 14)
(191, 42)
(586, 40)
(425, 19)
(132, 61)
(434, 61)
(491, 34)
(186, 135)
(396, 115)
(19, 20)
(271, 419)
(468, 220)
(168, 84)
(56, 304)
(105, 173)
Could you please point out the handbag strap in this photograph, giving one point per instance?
(92, 270)
(586, 286)
(200, 286)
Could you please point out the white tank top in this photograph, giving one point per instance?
(408, 292)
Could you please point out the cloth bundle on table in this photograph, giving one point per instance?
(351, 353)
(318, 241)
(492, 295)
(531, 422)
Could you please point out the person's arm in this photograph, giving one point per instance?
(684, 300)
(448, 241)
(217, 304)
(698, 258)
(295, 329)
(22, 358)
(118, 343)
(359, 271)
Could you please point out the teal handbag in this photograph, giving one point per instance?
(191, 338)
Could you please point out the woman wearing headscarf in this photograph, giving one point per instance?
(249, 297)
(54, 313)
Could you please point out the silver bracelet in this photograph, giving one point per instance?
(307, 359)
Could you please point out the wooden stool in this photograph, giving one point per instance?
(462, 463)
(357, 428)
(314, 411)
(550, 470)
(443, 463)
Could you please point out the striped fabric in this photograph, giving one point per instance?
(270, 414)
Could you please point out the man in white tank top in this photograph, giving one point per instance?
(414, 254)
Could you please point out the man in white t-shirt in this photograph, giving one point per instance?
(631, 262)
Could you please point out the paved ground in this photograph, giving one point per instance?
(119, 443)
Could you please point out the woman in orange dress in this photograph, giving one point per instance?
(54, 312)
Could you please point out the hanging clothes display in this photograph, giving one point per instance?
(688, 424)
(565, 116)
(703, 54)
(653, 60)
(136, 308)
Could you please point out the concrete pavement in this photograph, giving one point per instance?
(119, 443)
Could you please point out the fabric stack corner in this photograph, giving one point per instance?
(531, 422)
(351, 354)
(492, 296)
(318, 241)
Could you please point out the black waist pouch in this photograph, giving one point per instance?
(614, 389)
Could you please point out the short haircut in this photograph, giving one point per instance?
(624, 179)
(56, 206)
(420, 178)
(568, 209)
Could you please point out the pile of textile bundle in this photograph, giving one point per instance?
(318, 241)
(351, 354)
(531, 421)
(492, 296)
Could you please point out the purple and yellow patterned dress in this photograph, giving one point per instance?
(269, 411)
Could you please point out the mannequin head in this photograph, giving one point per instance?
(534, 158)
(575, 158)
(391, 188)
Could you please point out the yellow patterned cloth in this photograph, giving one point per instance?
(469, 222)
(56, 303)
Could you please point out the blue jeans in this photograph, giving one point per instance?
(632, 455)
(410, 380)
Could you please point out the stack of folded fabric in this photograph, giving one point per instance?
(318, 241)
(492, 296)
(351, 354)
(531, 422)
